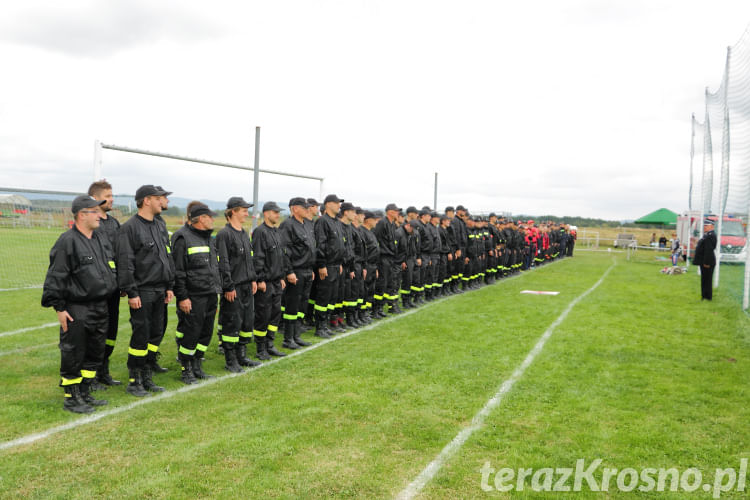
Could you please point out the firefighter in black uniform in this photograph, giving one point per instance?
(371, 261)
(152, 358)
(386, 288)
(238, 286)
(360, 253)
(328, 262)
(705, 257)
(344, 302)
(461, 237)
(432, 227)
(446, 257)
(197, 285)
(108, 227)
(80, 279)
(453, 264)
(298, 240)
(146, 275)
(313, 211)
(271, 266)
(409, 271)
(403, 252)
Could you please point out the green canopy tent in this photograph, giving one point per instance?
(662, 217)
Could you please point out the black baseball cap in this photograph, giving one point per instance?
(411, 210)
(370, 215)
(311, 202)
(272, 206)
(150, 190)
(298, 201)
(347, 206)
(238, 202)
(461, 207)
(359, 210)
(332, 197)
(200, 209)
(392, 206)
(493, 214)
(85, 201)
(449, 209)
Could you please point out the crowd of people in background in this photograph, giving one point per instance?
(328, 267)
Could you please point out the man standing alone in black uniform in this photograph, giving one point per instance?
(80, 279)
(705, 258)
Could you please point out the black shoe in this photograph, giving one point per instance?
(153, 362)
(297, 335)
(262, 353)
(186, 364)
(74, 402)
(103, 376)
(289, 342)
(85, 391)
(394, 308)
(198, 369)
(270, 349)
(135, 385)
(148, 383)
(242, 357)
(230, 356)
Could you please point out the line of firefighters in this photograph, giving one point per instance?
(336, 270)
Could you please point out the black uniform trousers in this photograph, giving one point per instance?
(268, 310)
(147, 323)
(82, 346)
(434, 271)
(408, 277)
(236, 318)
(197, 327)
(295, 295)
(356, 296)
(113, 319)
(327, 290)
(707, 274)
(369, 286)
(390, 278)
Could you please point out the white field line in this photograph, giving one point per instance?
(28, 329)
(477, 422)
(37, 436)
(26, 349)
(30, 287)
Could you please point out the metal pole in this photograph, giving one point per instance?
(97, 160)
(724, 181)
(435, 198)
(320, 190)
(256, 175)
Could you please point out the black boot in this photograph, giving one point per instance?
(135, 385)
(395, 309)
(242, 357)
(289, 342)
(103, 376)
(152, 360)
(148, 383)
(297, 328)
(260, 343)
(321, 325)
(362, 317)
(270, 349)
(350, 323)
(73, 401)
(198, 369)
(85, 390)
(380, 310)
(186, 364)
(230, 356)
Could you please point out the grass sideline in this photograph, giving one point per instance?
(633, 376)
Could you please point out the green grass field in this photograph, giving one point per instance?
(641, 373)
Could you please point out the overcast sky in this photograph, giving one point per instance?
(562, 107)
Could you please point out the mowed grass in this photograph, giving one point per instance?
(640, 374)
